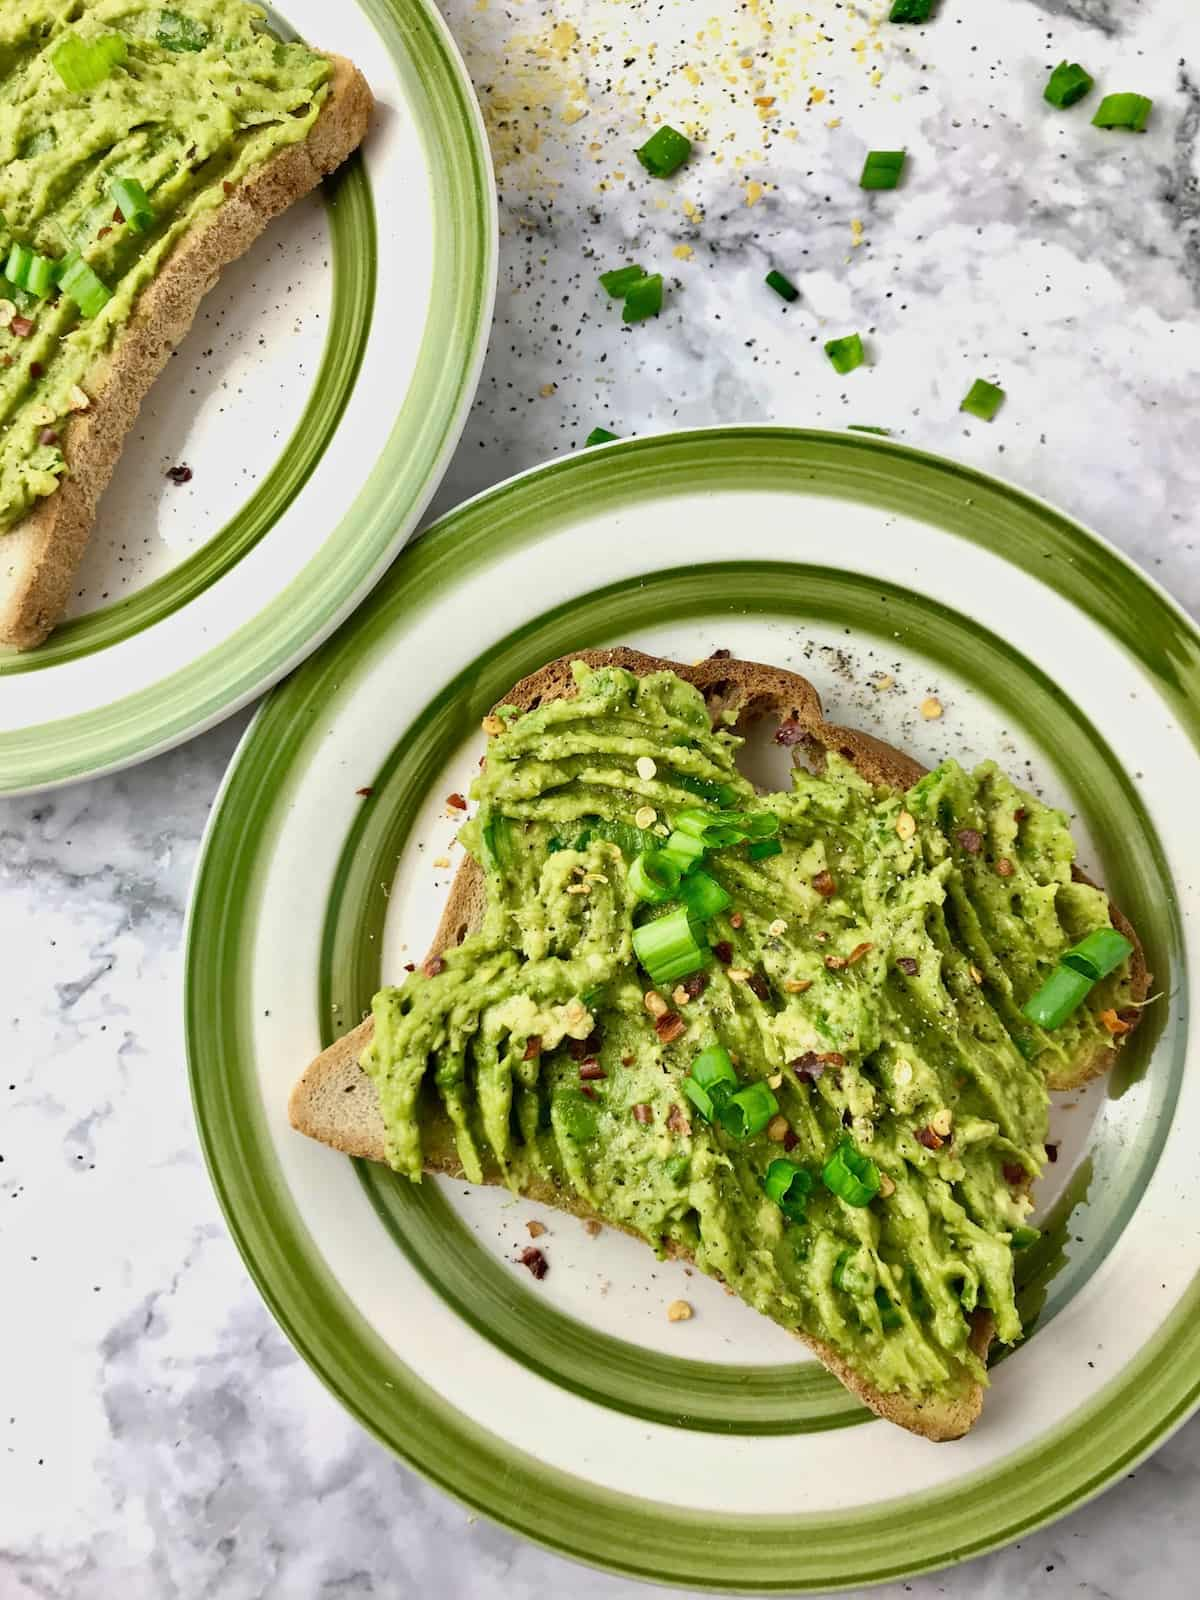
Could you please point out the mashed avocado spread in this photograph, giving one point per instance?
(871, 972)
(189, 100)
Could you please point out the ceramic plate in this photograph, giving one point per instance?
(317, 400)
(711, 1452)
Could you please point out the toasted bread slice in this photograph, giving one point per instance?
(39, 557)
(336, 1102)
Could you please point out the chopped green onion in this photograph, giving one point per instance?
(882, 169)
(983, 399)
(179, 32)
(783, 287)
(664, 152)
(1058, 997)
(16, 268)
(1068, 83)
(1130, 111)
(760, 849)
(684, 849)
(698, 823)
(132, 201)
(889, 1313)
(41, 276)
(599, 436)
(1022, 1238)
(714, 1066)
(79, 283)
(910, 11)
(644, 299)
(1099, 954)
(700, 1098)
(82, 64)
(667, 948)
(851, 1176)
(789, 1186)
(721, 794)
(653, 876)
(620, 280)
(703, 896)
(760, 824)
(847, 353)
(718, 828)
(748, 1111)
(865, 427)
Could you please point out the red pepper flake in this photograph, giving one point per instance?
(180, 474)
(1020, 814)
(533, 1258)
(736, 920)
(1004, 868)
(227, 186)
(586, 1089)
(970, 839)
(834, 1058)
(48, 436)
(104, 232)
(367, 792)
(592, 1070)
(758, 985)
(790, 1140)
(118, 215)
(457, 801)
(859, 951)
(22, 327)
(642, 1113)
(432, 966)
(825, 884)
(695, 986)
(1013, 1173)
(581, 1049)
(669, 1026)
(1113, 1023)
(409, 967)
(934, 1141)
(721, 655)
(810, 1065)
(908, 965)
(627, 1061)
(789, 732)
(677, 1122)
(1052, 1152)
(533, 1047)
(36, 369)
(723, 952)
(835, 963)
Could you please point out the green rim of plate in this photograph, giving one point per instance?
(351, 214)
(787, 1397)
(400, 481)
(806, 1552)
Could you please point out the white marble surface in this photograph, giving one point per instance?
(158, 1437)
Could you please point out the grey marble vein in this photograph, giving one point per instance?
(159, 1440)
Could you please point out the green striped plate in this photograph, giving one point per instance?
(711, 1452)
(317, 401)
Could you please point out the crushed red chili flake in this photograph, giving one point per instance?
(48, 436)
(1004, 868)
(410, 966)
(1013, 1173)
(677, 1122)
(695, 986)
(736, 920)
(836, 963)
(533, 1047)
(456, 800)
(908, 965)
(825, 883)
(21, 326)
(592, 1070)
(227, 186)
(758, 986)
(669, 1026)
(118, 215)
(627, 1061)
(721, 655)
(723, 951)
(104, 232)
(586, 1089)
(859, 951)
(789, 732)
(810, 1065)
(790, 1140)
(366, 792)
(833, 1058)
(432, 966)
(970, 839)
(581, 1049)
(1052, 1152)
(533, 1258)
(1020, 814)
(642, 1113)
(36, 369)
(1114, 1023)
(180, 474)
(934, 1141)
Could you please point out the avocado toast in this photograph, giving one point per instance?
(832, 1101)
(142, 149)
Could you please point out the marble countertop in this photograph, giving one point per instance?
(158, 1436)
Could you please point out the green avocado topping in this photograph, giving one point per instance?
(169, 107)
(856, 1017)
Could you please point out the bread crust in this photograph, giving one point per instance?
(335, 1102)
(39, 557)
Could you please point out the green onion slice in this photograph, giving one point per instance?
(703, 896)
(851, 1176)
(1067, 84)
(1130, 111)
(643, 299)
(760, 849)
(16, 268)
(176, 31)
(714, 1066)
(699, 1097)
(783, 287)
(1099, 954)
(132, 201)
(79, 283)
(983, 399)
(82, 64)
(882, 169)
(664, 152)
(684, 849)
(748, 1111)
(600, 436)
(41, 277)
(847, 353)
(1022, 1238)
(721, 794)
(789, 1186)
(654, 876)
(1063, 991)
(910, 11)
(620, 280)
(667, 948)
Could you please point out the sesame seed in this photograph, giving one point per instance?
(645, 816)
(645, 768)
(777, 928)
(931, 708)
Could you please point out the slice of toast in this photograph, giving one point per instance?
(39, 557)
(336, 1103)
